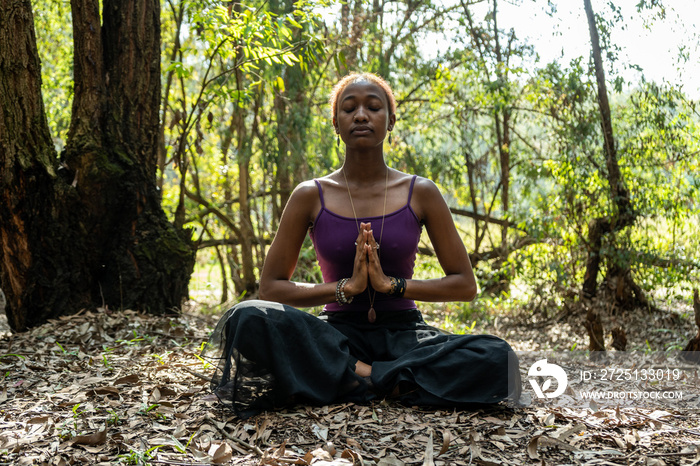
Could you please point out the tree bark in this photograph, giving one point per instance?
(90, 232)
(497, 76)
(625, 215)
(292, 110)
(37, 255)
(691, 352)
(596, 335)
(247, 234)
(292, 113)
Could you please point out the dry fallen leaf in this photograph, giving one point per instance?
(654, 462)
(96, 438)
(532, 448)
(54, 392)
(107, 391)
(566, 432)
(221, 453)
(390, 461)
(320, 454)
(353, 456)
(127, 380)
(336, 462)
(446, 440)
(428, 459)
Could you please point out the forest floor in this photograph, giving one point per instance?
(122, 387)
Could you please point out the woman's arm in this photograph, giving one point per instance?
(282, 256)
(459, 283)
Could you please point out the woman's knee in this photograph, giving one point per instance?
(254, 307)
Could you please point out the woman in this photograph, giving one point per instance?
(365, 220)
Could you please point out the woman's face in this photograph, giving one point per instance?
(362, 117)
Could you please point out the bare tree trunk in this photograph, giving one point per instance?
(501, 126)
(625, 215)
(356, 32)
(224, 276)
(92, 232)
(292, 111)
(293, 117)
(691, 352)
(473, 196)
(596, 334)
(247, 233)
(40, 267)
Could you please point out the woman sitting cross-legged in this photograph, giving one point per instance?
(365, 221)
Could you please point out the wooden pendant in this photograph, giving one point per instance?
(371, 315)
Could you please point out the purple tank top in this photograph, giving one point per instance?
(334, 238)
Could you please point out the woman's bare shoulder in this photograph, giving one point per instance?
(426, 189)
(303, 201)
(427, 198)
(305, 189)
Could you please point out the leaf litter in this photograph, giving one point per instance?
(127, 388)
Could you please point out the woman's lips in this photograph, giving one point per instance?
(361, 131)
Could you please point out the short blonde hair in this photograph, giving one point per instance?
(359, 77)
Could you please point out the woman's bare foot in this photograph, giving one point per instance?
(363, 369)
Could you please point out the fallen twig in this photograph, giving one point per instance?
(242, 443)
(195, 373)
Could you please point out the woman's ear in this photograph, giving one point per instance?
(335, 125)
(392, 121)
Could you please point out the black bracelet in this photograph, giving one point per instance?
(398, 286)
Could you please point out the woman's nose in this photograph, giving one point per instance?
(361, 114)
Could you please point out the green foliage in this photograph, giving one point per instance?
(114, 418)
(245, 118)
(654, 128)
(139, 457)
(54, 38)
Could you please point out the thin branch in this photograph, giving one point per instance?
(242, 443)
(219, 214)
(480, 217)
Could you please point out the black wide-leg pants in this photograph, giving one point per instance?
(270, 355)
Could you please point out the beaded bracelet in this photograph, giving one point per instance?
(337, 291)
(340, 292)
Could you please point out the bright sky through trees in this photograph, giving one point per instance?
(654, 44)
(650, 42)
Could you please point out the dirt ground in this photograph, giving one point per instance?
(121, 387)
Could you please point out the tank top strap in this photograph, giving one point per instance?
(410, 189)
(320, 193)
